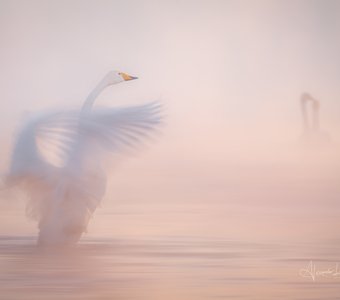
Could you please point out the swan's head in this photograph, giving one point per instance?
(114, 77)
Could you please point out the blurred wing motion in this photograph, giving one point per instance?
(58, 159)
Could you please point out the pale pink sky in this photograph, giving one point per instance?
(227, 70)
(230, 72)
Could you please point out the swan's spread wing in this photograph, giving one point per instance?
(67, 139)
(41, 145)
(115, 129)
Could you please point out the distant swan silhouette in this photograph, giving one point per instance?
(58, 158)
(312, 136)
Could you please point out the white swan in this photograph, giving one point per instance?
(58, 157)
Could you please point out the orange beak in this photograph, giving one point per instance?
(127, 77)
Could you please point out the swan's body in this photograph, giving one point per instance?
(58, 157)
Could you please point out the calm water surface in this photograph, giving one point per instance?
(242, 235)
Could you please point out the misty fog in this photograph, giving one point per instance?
(230, 162)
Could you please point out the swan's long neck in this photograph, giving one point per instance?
(88, 104)
(316, 107)
(308, 126)
(305, 121)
